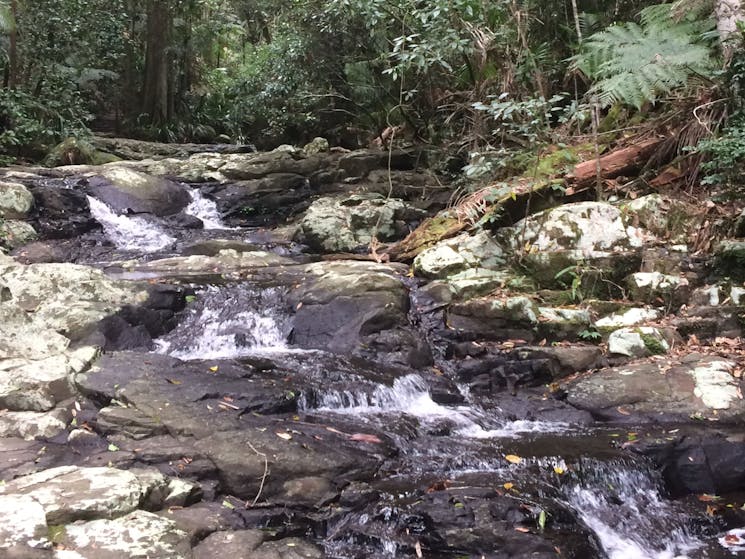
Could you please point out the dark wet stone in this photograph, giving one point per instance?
(203, 519)
(62, 212)
(128, 191)
(240, 544)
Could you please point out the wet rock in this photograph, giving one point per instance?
(128, 191)
(638, 342)
(23, 528)
(241, 544)
(495, 318)
(203, 519)
(47, 252)
(288, 548)
(139, 533)
(62, 213)
(567, 359)
(359, 308)
(458, 254)
(349, 224)
(15, 200)
(14, 233)
(693, 387)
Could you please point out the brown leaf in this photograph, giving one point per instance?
(365, 438)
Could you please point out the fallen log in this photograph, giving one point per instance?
(627, 161)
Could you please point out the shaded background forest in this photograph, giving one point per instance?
(488, 84)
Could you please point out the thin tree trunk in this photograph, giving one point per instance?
(13, 47)
(155, 87)
(729, 13)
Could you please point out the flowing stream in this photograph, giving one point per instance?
(621, 502)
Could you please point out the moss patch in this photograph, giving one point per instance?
(653, 345)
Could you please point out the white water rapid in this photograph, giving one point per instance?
(130, 232)
(410, 395)
(225, 323)
(205, 209)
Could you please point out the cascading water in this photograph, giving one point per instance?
(410, 395)
(205, 209)
(623, 505)
(130, 232)
(228, 322)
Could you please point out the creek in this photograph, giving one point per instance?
(462, 473)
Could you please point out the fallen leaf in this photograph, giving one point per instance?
(522, 529)
(623, 411)
(559, 470)
(365, 438)
(439, 486)
(418, 549)
(732, 538)
(173, 381)
(214, 369)
(706, 498)
(113, 447)
(508, 485)
(513, 459)
(285, 436)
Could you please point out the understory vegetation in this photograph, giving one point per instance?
(489, 87)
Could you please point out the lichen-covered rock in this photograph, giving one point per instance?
(694, 387)
(129, 191)
(315, 146)
(70, 493)
(654, 287)
(349, 224)
(138, 534)
(241, 544)
(584, 245)
(23, 528)
(628, 317)
(458, 254)
(32, 425)
(15, 200)
(638, 342)
(664, 217)
(15, 233)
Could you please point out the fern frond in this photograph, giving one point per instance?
(636, 63)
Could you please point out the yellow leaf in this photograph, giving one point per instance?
(214, 369)
(559, 470)
(508, 486)
(513, 459)
(285, 436)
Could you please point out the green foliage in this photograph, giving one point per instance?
(30, 125)
(726, 156)
(637, 63)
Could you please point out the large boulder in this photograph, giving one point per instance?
(23, 528)
(453, 256)
(129, 191)
(15, 233)
(359, 308)
(661, 216)
(15, 200)
(349, 224)
(62, 212)
(585, 245)
(695, 387)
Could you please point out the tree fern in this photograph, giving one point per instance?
(636, 63)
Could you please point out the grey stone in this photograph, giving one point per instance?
(138, 534)
(126, 190)
(240, 544)
(458, 254)
(637, 342)
(15, 200)
(14, 233)
(23, 528)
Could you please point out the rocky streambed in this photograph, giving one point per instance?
(198, 360)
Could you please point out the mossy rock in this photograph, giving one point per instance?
(730, 260)
(75, 151)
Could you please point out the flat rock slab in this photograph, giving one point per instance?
(138, 534)
(695, 387)
(70, 493)
(23, 528)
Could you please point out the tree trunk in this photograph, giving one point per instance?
(729, 13)
(13, 47)
(155, 85)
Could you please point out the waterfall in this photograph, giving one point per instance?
(130, 232)
(224, 323)
(205, 209)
